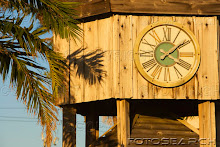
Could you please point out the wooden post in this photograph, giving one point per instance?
(217, 113)
(92, 128)
(207, 124)
(123, 122)
(69, 126)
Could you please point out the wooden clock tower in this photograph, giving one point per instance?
(159, 61)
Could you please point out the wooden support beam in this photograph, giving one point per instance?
(92, 128)
(123, 122)
(69, 126)
(217, 113)
(184, 122)
(207, 124)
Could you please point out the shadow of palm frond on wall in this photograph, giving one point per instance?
(88, 64)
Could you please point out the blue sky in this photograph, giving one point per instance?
(20, 129)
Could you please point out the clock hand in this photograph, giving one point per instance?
(172, 50)
(170, 56)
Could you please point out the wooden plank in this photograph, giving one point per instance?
(90, 41)
(160, 127)
(104, 29)
(208, 80)
(88, 8)
(69, 126)
(126, 54)
(123, 127)
(207, 126)
(119, 125)
(140, 85)
(76, 80)
(62, 46)
(95, 7)
(189, 126)
(109, 130)
(115, 58)
(192, 7)
(162, 133)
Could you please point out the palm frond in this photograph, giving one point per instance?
(54, 14)
(21, 46)
(19, 49)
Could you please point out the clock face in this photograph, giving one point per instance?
(167, 54)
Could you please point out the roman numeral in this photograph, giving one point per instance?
(176, 36)
(186, 54)
(177, 72)
(155, 36)
(184, 64)
(149, 63)
(167, 34)
(156, 71)
(184, 44)
(146, 53)
(151, 45)
(167, 74)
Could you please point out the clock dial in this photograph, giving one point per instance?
(167, 55)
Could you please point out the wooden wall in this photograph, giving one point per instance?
(115, 36)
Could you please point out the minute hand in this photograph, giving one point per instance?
(171, 50)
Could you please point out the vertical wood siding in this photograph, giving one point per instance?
(116, 36)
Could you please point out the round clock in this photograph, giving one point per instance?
(167, 54)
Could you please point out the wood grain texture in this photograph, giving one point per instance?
(90, 41)
(123, 122)
(76, 81)
(207, 124)
(69, 126)
(126, 54)
(149, 127)
(62, 46)
(89, 8)
(116, 35)
(208, 7)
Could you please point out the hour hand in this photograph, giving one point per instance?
(171, 50)
(170, 56)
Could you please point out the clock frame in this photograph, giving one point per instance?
(162, 64)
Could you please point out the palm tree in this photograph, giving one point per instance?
(22, 46)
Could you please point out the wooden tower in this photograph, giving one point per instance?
(150, 91)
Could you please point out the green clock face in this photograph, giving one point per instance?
(167, 54)
(165, 47)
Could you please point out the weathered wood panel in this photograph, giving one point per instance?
(62, 46)
(123, 122)
(76, 82)
(89, 8)
(207, 124)
(116, 36)
(90, 40)
(115, 58)
(200, 7)
(126, 54)
(155, 127)
(207, 30)
(104, 31)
